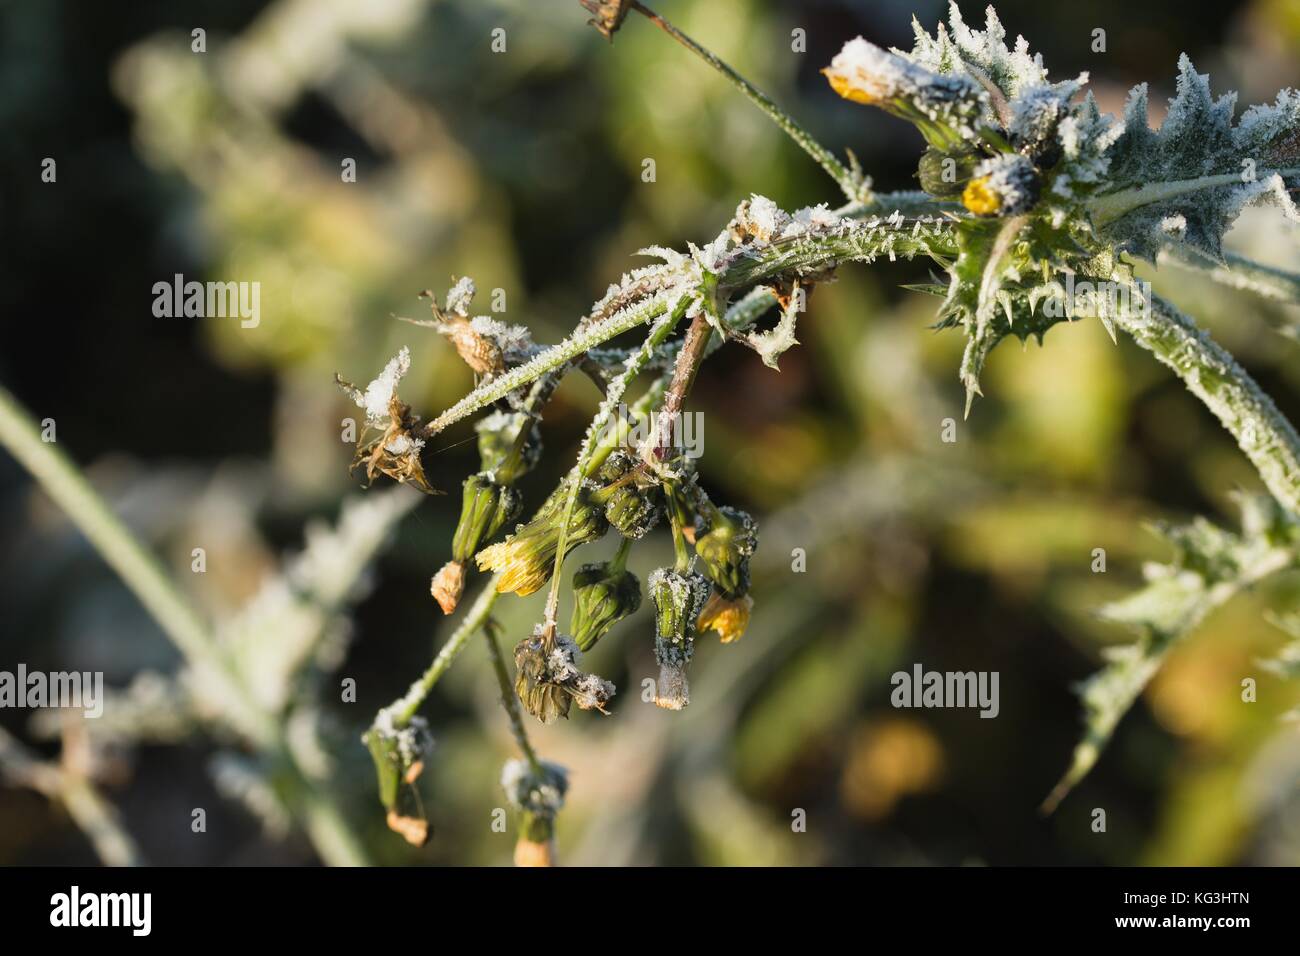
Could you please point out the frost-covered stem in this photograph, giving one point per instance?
(510, 701)
(1268, 439)
(137, 568)
(658, 335)
(548, 361)
(1106, 209)
(140, 571)
(860, 242)
(687, 366)
(93, 815)
(406, 706)
(851, 185)
(1240, 273)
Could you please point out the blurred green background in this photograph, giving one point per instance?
(522, 169)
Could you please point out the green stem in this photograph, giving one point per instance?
(1109, 207)
(406, 706)
(548, 361)
(1268, 439)
(138, 569)
(510, 701)
(1239, 272)
(850, 184)
(141, 572)
(595, 432)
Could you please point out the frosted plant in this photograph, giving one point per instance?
(1029, 193)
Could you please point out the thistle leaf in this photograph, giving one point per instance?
(1210, 566)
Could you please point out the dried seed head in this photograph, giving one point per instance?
(396, 452)
(448, 585)
(607, 15)
(547, 678)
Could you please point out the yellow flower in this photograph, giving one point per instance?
(726, 616)
(524, 563)
(980, 199)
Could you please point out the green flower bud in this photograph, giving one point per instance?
(603, 594)
(527, 558)
(678, 598)
(944, 175)
(398, 754)
(725, 540)
(509, 445)
(485, 507)
(633, 504)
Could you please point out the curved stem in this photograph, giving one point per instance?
(850, 182)
(142, 573)
(510, 701)
(1268, 439)
(406, 706)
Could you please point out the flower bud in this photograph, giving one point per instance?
(1006, 185)
(633, 503)
(728, 617)
(725, 539)
(448, 585)
(509, 445)
(603, 594)
(944, 175)
(536, 793)
(398, 754)
(526, 559)
(485, 507)
(678, 597)
(946, 108)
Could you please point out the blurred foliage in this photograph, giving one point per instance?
(522, 169)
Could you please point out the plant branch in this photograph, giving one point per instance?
(406, 706)
(1107, 208)
(698, 336)
(141, 572)
(1239, 272)
(1268, 439)
(850, 183)
(658, 335)
(510, 700)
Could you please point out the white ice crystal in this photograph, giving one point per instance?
(811, 219)
(511, 339)
(460, 295)
(381, 391)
